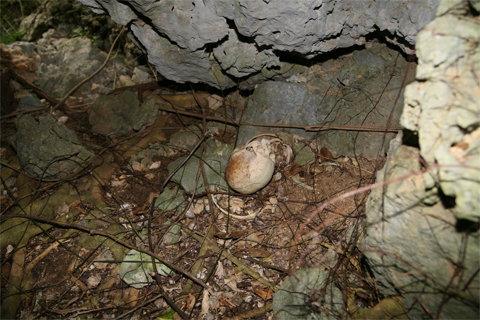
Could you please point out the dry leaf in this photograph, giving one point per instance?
(219, 272)
(205, 303)
(191, 301)
(151, 196)
(255, 237)
(292, 170)
(222, 235)
(62, 209)
(74, 204)
(259, 253)
(178, 287)
(236, 204)
(392, 307)
(224, 301)
(199, 207)
(264, 292)
(326, 154)
(214, 101)
(237, 234)
(93, 281)
(232, 283)
(131, 298)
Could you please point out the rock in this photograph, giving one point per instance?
(170, 199)
(248, 37)
(296, 297)
(242, 59)
(48, 149)
(114, 116)
(66, 16)
(29, 102)
(344, 91)
(185, 140)
(147, 159)
(303, 153)
(136, 268)
(422, 239)
(443, 107)
(124, 81)
(141, 75)
(179, 64)
(69, 61)
(21, 57)
(413, 246)
(278, 102)
(216, 158)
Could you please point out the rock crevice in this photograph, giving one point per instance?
(177, 33)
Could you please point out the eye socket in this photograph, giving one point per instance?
(249, 148)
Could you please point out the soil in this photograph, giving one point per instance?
(71, 279)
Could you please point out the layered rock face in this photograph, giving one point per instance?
(423, 237)
(218, 42)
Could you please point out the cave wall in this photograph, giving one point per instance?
(218, 42)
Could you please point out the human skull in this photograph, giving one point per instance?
(250, 168)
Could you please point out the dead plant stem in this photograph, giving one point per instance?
(295, 126)
(95, 232)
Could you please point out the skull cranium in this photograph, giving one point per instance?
(251, 168)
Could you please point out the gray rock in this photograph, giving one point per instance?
(170, 199)
(141, 74)
(189, 24)
(28, 48)
(137, 267)
(187, 139)
(247, 36)
(145, 159)
(345, 91)
(242, 59)
(69, 61)
(303, 153)
(415, 248)
(422, 239)
(114, 116)
(215, 161)
(48, 149)
(279, 102)
(29, 102)
(298, 297)
(179, 64)
(443, 107)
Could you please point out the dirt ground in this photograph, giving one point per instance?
(69, 272)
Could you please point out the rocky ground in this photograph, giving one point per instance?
(130, 168)
(69, 226)
(84, 224)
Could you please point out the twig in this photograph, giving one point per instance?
(255, 313)
(8, 74)
(138, 307)
(110, 236)
(295, 126)
(183, 162)
(242, 266)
